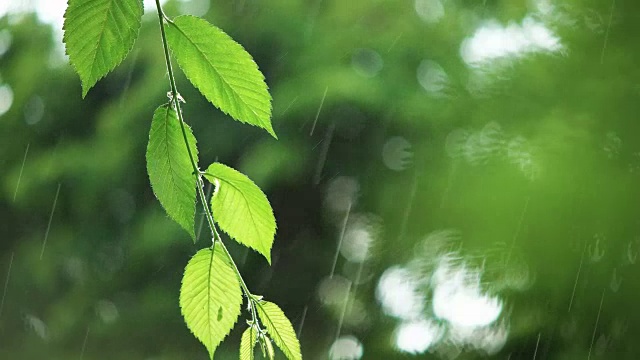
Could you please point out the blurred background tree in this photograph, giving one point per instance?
(453, 179)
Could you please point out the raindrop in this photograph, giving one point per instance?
(596, 252)
(485, 144)
(632, 251)
(357, 241)
(441, 241)
(346, 348)
(150, 5)
(107, 311)
(601, 345)
(74, 268)
(357, 314)
(341, 193)
(520, 154)
(594, 21)
(397, 154)
(194, 7)
(33, 110)
(619, 328)
(615, 281)
(367, 62)
(455, 143)
(487, 339)
(518, 276)
(430, 11)
(416, 337)
(333, 290)
(6, 98)
(492, 136)
(398, 293)
(122, 205)
(358, 273)
(37, 326)
(432, 78)
(110, 259)
(493, 40)
(612, 145)
(634, 165)
(5, 41)
(457, 297)
(569, 328)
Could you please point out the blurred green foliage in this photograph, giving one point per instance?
(533, 160)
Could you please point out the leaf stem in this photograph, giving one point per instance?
(199, 183)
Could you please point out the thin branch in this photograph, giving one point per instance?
(199, 183)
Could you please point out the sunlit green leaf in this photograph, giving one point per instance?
(241, 209)
(280, 329)
(221, 69)
(98, 35)
(269, 346)
(210, 297)
(169, 167)
(247, 343)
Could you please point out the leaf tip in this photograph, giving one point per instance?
(85, 90)
(269, 128)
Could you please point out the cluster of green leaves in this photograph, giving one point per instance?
(98, 35)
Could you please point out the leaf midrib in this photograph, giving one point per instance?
(209, 295)
(104, 24)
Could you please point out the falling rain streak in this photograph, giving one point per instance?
(595, 327)
(606, 35)
(6, 285)
(342, 232)
(357, 282)
(84, 343)
(575, 284)
(46, 234)
(535, 352)
(407, 211)
(393, 44)
(344, 309)
(289, 106)
(518, 228)
(304, 316)
(24, 159)
(323, 154)
(315, 121)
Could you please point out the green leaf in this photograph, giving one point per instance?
(210, 297)
(269, 347)
(280, 329)
(222, 70)
(98, 35)
(247, 343)
(169, 167)
(241, 209)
